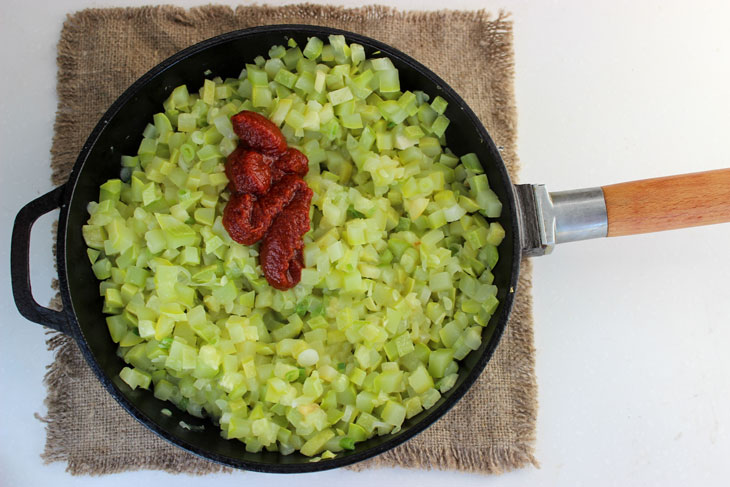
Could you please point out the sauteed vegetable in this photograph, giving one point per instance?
(397, 280)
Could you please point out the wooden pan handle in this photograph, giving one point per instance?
(654, 205)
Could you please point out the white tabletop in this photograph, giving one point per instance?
(631, 333)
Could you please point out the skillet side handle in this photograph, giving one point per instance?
(668, 203)
(20, 262)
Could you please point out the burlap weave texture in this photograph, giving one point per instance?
(102, 51)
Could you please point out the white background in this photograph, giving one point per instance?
(631, 333)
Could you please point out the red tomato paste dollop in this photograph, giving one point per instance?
(269, 198)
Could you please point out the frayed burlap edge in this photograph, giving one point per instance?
(493, 459)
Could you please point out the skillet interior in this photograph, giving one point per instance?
(120, 131)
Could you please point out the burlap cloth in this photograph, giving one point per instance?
(102, 51)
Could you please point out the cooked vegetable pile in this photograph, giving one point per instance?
(397, 283)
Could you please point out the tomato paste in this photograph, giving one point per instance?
(269, 199)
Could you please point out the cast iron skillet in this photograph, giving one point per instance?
(119, 132)
(534, 221)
